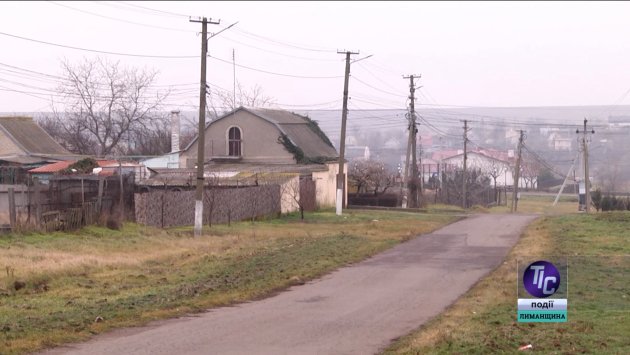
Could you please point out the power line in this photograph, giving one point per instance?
(278, 53)
(276, 73)
(155, 10)
(99, 51)
(286, 44)
(122, 20)
(377, 89)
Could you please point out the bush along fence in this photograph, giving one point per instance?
(168, 208)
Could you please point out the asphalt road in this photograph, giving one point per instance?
(358, 309)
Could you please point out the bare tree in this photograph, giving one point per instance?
(220, 102)
(530, 169)
(102, 103)
(494, 168)
(153, 139)
(371, 176)
(291, 190)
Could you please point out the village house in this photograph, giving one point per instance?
(248, 141)
(491, 162)
(24, 145)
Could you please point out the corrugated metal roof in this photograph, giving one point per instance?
(30, 136)
(60, 165)
(51, 168)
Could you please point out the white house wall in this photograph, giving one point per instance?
(326, 185)
(476, 161)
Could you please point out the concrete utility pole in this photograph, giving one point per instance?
(201, 140)
(341, 176)
(517, 173)
(405, 189)
(464, 180)
(587, 184)
(412, 182)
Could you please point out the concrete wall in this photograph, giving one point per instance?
(326, 185)
(289, 193)
(259, 141)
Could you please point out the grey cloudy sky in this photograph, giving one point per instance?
(469, 53)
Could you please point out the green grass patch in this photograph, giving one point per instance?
(84, 283)
(483, 321)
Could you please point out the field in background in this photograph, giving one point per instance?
(63, 287)
(484, 320)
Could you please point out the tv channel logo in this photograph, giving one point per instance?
(541, 279)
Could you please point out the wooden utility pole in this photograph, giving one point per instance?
(464, 180)
(341, 176)
(517, 174)
(202, 125)
(412, 182)
(587, 184)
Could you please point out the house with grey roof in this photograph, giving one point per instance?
(262, 136)
(25, 145)
(252, 140)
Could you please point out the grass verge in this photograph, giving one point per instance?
(484, 320)
(61, 288)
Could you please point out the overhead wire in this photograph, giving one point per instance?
(121, 20)
(99, 51)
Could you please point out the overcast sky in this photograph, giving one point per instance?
(469, 54)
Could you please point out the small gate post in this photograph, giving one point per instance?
(12, 207)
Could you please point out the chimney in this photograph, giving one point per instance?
(174, 131)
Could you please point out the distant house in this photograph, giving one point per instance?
(248, 141)
(496, 162)
(25, 145)
(559, 141)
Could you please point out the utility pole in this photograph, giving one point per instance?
(587, 184)
(405, 188)
(517, 173)
(564, 183)
(341, 176)
(412, 183)
(202, 125)
(464, 180)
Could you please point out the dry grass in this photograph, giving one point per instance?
(484, 320)
(541, 204)
(138, 274)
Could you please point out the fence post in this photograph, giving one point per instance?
(38, 202)
(12, 207)
(99, 200)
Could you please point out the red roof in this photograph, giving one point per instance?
(52, 168)
(60, 165)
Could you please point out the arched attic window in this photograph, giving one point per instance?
(234, 142)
